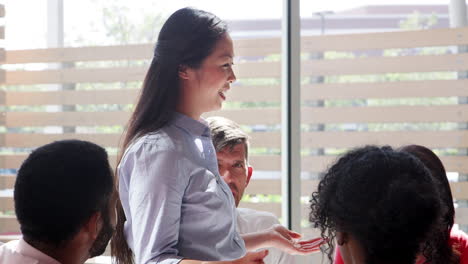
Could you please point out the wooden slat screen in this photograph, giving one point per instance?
(338, 112)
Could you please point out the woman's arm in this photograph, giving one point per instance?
(283, 239)
(154, 198)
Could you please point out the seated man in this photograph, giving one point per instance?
(232, 146)
(381, 206)
(64, 203)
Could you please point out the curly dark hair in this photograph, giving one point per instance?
(387, 200)
(446, 254)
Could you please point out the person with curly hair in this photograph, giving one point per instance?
(451, 243)
(380, 205)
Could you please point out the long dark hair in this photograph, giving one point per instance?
(446, 253)
(186, 39)
(386, 199)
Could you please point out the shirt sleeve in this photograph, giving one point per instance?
(157, 180)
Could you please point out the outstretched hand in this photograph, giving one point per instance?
(288, 241)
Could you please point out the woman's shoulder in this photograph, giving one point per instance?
(164, 139)
(154, 143)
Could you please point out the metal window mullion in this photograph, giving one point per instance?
(291, 118)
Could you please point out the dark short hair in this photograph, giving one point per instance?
(227, 133)
(387, 200)
(58, 188)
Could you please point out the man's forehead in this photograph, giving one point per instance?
(237, 150)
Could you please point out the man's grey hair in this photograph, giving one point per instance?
(227, 133)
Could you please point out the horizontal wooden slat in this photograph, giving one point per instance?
(33, 140)
(321, 163)
(242, 47)
(124, 74)
(386, 40)
(377, 65)
(386, 114)
(382, 65)
(402, 89)
(9, 225)
(261, 162)
(7, 182)
(96, 53)
(461, 216)
(7, 204)
(259, 93)
(121, 74)
(459, 190)
(272, 162)
(117, 96)
(273, 187)
(15, 161)
(349, 139)
(17, 119)
(256, 47)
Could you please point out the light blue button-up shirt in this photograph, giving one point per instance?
(176, 204)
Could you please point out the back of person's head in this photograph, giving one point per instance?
(437, 169)
(385, 199)
(59, 187)
(227, 133)
(187, 38)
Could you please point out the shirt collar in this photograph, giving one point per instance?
(27, 250)
(198, 128)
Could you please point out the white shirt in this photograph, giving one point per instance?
(176, 204)
(249, 221)
(20, 252)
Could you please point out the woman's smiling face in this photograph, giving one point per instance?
(211, 81)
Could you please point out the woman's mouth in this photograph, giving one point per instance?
(222, 95)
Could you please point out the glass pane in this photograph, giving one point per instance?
(360, 80)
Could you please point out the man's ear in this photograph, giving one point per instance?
(341, 238)
(249, 174)
(93, 225)
(184, 72)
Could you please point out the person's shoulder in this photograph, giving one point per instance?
(9, 253)
(256, 217)
(9, 246)
(162, 140)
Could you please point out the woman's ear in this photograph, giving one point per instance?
(184, 72)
